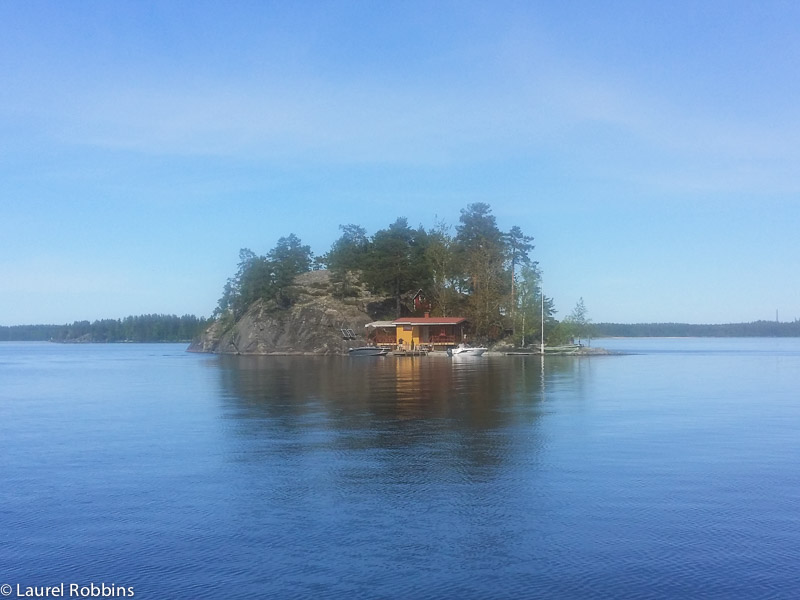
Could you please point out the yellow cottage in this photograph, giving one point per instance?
(431, 333)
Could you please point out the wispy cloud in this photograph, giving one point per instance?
(512, 97)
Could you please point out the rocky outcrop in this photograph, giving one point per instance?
(312, 325)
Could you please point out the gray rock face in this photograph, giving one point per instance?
(312, 325)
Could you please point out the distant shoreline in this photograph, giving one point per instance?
(85, 342)
(774, 329)
(153, 328)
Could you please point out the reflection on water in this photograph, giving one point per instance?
(450, 407)
(472, 391)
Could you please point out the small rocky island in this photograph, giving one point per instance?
(482, 284)
(314, 324)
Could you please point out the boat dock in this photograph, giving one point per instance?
(415, 352)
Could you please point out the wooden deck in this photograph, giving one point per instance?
(415, 352)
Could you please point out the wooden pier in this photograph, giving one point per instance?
(415, 352)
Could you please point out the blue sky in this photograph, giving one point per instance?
(651, 148)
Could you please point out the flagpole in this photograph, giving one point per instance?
(542, 290)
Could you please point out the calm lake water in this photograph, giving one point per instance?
(671, 472)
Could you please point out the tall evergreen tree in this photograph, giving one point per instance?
(481, 253)
(347, 256)
(264, 277)
(396, 261)
(287, 260)
(518, 247)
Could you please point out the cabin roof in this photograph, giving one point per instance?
(429, 321)
(380, 324)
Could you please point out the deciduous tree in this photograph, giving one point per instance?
(577, 324)
(440, 255)
(529, 314)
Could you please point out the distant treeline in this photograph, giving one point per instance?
(142, 328)
(754, 329)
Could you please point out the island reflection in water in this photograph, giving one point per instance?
(455, 407)
(377, 471)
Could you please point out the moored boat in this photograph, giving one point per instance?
(464, 350)
(367, 351)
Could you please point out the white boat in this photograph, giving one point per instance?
(464, 350)
(368, 351)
